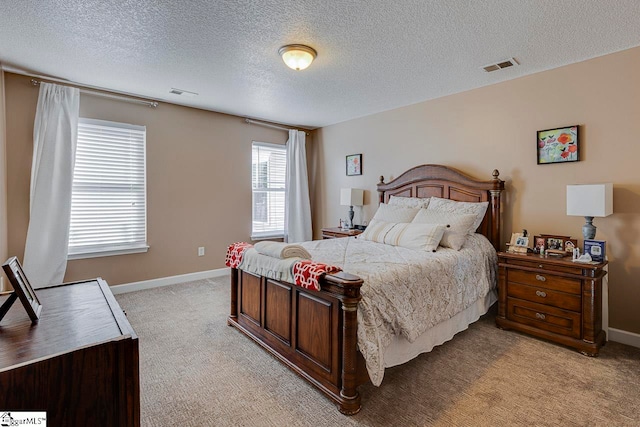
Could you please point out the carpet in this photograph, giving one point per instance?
(197, 371)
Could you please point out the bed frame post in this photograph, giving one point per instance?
(351, 405)
(233, 313)
(380, 192)
(495, 209)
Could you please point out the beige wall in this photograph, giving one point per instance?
(3, 181)
(198, 183)
(495, 128)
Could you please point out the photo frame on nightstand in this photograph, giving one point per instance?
(559, 246)
(519, 243)
(539, 244)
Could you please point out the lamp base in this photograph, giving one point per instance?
(351, 213)
(588, 229)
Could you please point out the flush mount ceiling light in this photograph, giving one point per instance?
(297, 56)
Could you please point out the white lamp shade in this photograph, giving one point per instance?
(590, 200)
(351, 197)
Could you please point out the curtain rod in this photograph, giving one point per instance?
(126, 98)
(270, 125)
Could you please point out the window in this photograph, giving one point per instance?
(268, 175)
(108, 203)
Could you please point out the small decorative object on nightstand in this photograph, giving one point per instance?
(336, 232)
(552, 298)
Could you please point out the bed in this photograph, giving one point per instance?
(316, 333)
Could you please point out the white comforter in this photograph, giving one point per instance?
(405, 291)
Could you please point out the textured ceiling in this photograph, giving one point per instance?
(373, 55)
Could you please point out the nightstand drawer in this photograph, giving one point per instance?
(545, 280)
(541, 263)
(545, 296)
(544, 317)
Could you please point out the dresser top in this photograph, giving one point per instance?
(73, 316)
(547, 259)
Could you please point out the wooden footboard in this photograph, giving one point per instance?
(314, 333)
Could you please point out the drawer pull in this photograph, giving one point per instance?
(541, 294)
(539, 265)
(541, 278)
(540, 316)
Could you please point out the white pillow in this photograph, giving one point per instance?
(424, 237)
(458, 227)
(409, 202)
(389, 213)
(451, 206)
(376, 230)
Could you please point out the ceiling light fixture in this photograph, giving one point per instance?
(297, 56)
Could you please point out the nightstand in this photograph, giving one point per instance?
(335, 232)
(552, 298)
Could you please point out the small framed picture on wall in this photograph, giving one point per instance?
(354, 164)
(558, 145)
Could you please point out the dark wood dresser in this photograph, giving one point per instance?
(79, 363)
(552, 298)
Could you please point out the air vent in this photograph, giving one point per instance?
(182, 92)
(500, 65)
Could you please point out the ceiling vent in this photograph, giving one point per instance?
(500, 65)
(182, 92)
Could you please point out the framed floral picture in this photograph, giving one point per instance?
(558, 145)
(354, 164)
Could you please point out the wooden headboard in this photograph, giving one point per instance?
(448, 183)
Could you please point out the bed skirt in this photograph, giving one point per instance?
(401, 351)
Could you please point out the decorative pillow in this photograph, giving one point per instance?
(425, 237)
(409, 202)
(458, 227)
(389, 213)
(451, 206)
(376, 230)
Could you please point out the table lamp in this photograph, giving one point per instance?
(589, 201)
(351, 197)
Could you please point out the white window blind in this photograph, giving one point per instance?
(108, 204)
(268, 174)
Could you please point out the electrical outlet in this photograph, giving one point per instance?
(201, 251)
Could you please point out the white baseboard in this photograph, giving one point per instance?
(166, 281)
(624, 337)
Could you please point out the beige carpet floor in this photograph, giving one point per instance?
(197, 371)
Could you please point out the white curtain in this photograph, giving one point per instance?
(297, 212)
(55, 133)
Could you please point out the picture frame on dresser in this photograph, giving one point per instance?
(556, 245)
(539, 244)
(570, 245)
(519, 243)
(22, 288)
